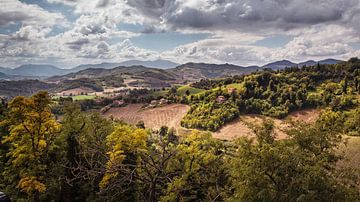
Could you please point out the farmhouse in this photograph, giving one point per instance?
(153, 103)
(118, 103)
(220, 99)
(163, 101)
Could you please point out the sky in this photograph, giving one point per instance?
(67, 33)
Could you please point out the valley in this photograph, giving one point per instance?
(179, 101)
(172, 114)
(236, 125)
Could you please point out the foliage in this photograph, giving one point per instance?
(274, 93)
(301, 168)
(32, 131)
(210, 116)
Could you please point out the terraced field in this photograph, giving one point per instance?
(169, 115)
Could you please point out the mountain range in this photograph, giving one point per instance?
(39, 70)
(286, 63)
(194, 69)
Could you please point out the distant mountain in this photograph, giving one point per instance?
(330, 61)
(161, 64)
(195, 71)
(4, 70)
(37, 70)
(93, 66)
(279, 64)
(189, 71)
(32, 70)
(307, 63)
(3, 76)
(132, 76)
(286, 63)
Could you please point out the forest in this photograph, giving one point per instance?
(274, 93)
(85, 157)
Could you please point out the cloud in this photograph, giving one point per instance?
(14, 11)
(320, 41)
(317, 29)
(245, 15)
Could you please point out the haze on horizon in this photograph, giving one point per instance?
(244, 32)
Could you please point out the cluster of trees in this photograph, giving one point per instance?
(210, 116)
(276, 93)
(88, 158)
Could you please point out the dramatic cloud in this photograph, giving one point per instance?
(219, 31)
(14, 11)
(246, 15)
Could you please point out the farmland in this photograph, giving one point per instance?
(77, 97)
(242, 126)
(154, 118)
(183, 89)
(171, 116)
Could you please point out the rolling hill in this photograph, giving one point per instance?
(286, 63)
(36, 70)
(23, 87)
(196, 71)
(279, 64)
(139, 76)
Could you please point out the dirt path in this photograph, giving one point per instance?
(242, 126)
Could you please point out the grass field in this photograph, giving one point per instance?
(161, 93)
(182, 90)
(77, 97)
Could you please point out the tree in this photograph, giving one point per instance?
(32, 131)
(124, 147)
(202, 174)
(140, 124)
(302, 168)
(73, 125)
(90, 157)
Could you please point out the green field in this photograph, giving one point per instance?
(77, 97)
(182, 90)
(161, 93)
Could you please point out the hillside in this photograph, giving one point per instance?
(161, 64)
(196, 71)
(132, 76)
(23, 87)
(36, 70)
(168, 143)
(3, 76)
(286, 63)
